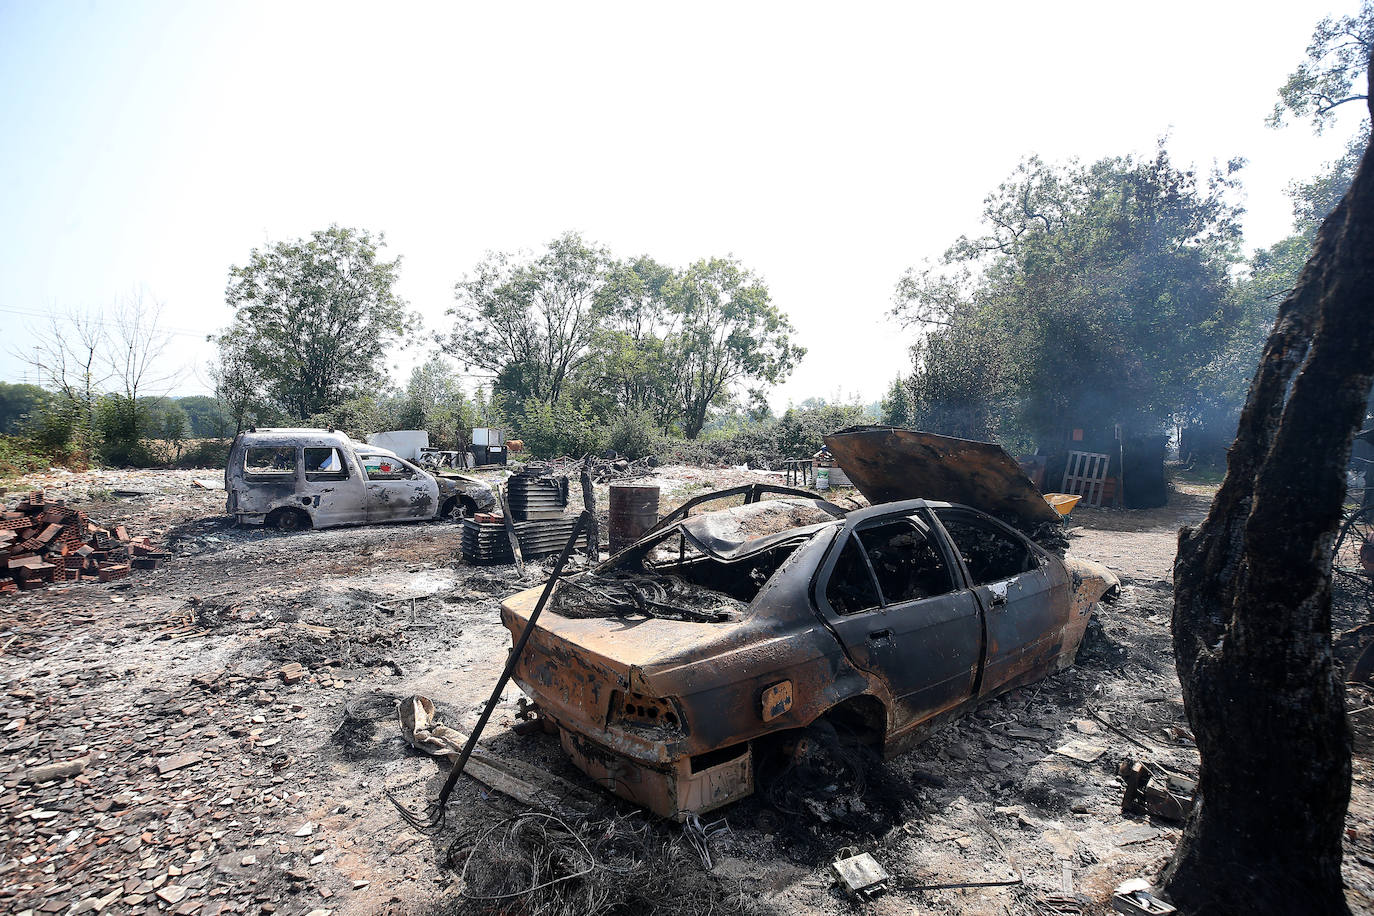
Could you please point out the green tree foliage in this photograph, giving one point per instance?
(574, 326)
(21, 404)
(634, 361)
(239, 386)
(731, 333)
(312, 322)
(1098, 294)
(897, 407)
(961, 385)
(801, 432)
(125, 425)
(206, 417)
(531, 322)
(433, 400)
(1333, 73)
(558, 428)
(632, 434)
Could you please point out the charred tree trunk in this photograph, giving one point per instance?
(589, 506)
(1252, 603)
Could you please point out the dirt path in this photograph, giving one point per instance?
(213, 782)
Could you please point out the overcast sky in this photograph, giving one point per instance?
(149, 146)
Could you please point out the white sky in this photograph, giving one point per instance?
(149, 146)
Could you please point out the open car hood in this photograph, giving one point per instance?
(888, 464)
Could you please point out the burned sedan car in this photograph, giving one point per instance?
(672, 669)
(317, 478)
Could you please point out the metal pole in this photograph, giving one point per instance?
(515, 654)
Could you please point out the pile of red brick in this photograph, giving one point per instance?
(46, 542)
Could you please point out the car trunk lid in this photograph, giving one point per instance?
(573, 663)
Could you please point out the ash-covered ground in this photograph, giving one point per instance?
(205, 772)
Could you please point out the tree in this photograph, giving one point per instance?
(433, 400)
(960, 386)
(138, 369)
(1096, 295)
(731, 333)
(531, 322)
(70, 360)
(1252, 602)
(206, 417)
(313, 319)
(239, 386)
(633, 360)
(1329, 77)
(19, 403)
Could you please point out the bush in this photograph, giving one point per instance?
(801, 432)
(23, 455)
(633, 435)
(798, 434)
(755, 446)
(561, 428)
(205, 453)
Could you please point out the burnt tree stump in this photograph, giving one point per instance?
(1252, 603)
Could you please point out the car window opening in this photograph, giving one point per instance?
(990, 554)
(891, 563)
(673, 579)
(277, 461)
(907, 565)
(325, 464)
(385, 467)
(851, 588)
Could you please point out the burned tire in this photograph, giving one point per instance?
(458, 508)
(818, 770)
(829, 779)
(288, 520)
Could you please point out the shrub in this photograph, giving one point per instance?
(205, 453)
(632, 435)
(24, 455)
(550, 430)
(798, 434)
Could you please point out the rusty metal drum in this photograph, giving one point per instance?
(634, 510)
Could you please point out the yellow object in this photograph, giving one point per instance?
(1063, 503)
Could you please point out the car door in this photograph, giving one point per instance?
(895, 601)
(396, 491)
(332, 487)
(1024, 596)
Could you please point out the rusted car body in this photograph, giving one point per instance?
(671, 668)
(304, 478)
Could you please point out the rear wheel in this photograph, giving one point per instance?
(289, 520)
(815, 771)
(459, 507)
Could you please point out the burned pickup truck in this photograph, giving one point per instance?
(317, 478)
(671, 670)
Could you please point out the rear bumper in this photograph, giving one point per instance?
(686, 785)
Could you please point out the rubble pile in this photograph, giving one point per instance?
(604, 470)
(159, 800)
(45, 542)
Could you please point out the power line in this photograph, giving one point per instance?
(177, 332)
